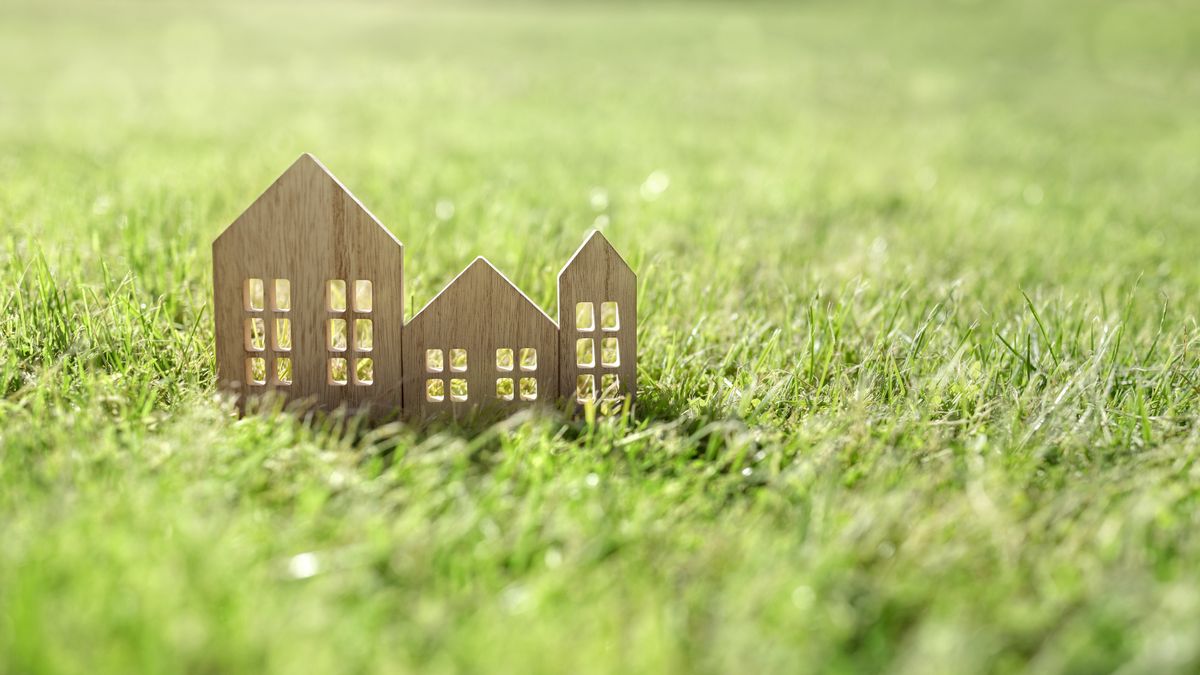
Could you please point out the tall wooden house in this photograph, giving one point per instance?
(309, 305)
(597, 319)
(309, 296)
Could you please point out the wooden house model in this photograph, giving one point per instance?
(309, 306)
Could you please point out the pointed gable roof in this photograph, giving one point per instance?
(306, 189)
(596, 250)
(482, 285)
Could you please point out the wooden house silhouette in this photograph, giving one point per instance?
(309, 296)
(597, 319)
(309, 306)
(480, 344)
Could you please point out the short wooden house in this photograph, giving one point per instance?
(309, 306)
(479, 346)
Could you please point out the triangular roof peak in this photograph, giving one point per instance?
(307, 159)
(482, 264)
(299, 178)
(596, 245)
(303, 167)
(480, 271)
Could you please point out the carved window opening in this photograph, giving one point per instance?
(253, 295)
(434, 361)
(364, 335)
(256, 370)
(610, 352)
(283, 335)
(585, 388)
(364, 296)
(338, 371)
(335, 295)
(610, 317)
(529, 359)
(364, 371)
(504, 360)
(458, 360)
(336, 330)
(505, 390)
(281, 296)
(256, 334)
(585, 353)
(610, 387)
(283, 370)
(585, 317)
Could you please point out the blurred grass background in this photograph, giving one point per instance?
(919, 372)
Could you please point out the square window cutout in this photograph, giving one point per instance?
(458, 360)
(610, 352)
(458, 389)
(335, 295)
(364, 335)
(504, 359)
(364, 296)
(283, 371)
(529, 389)
(585, 353)
(585, 388)
(337, 335)
(281, 301)
(435, 390)
(364, 371)
(610, 318)
(610, 386)
(256, 335)
(528, 358)
(504, 388)
(252, 295)
(338, 371)
(585, 316)
(283, 335)
(256, 370)
(433, 361)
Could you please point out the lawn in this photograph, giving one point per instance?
(919, 356)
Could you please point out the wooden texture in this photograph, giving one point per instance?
(299, 255)
(480, 311)
(308, 229)
(597, 274)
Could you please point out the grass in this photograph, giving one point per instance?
(919, 355)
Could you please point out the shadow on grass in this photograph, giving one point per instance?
(569, 423)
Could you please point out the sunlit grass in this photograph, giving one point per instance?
(918, 374)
